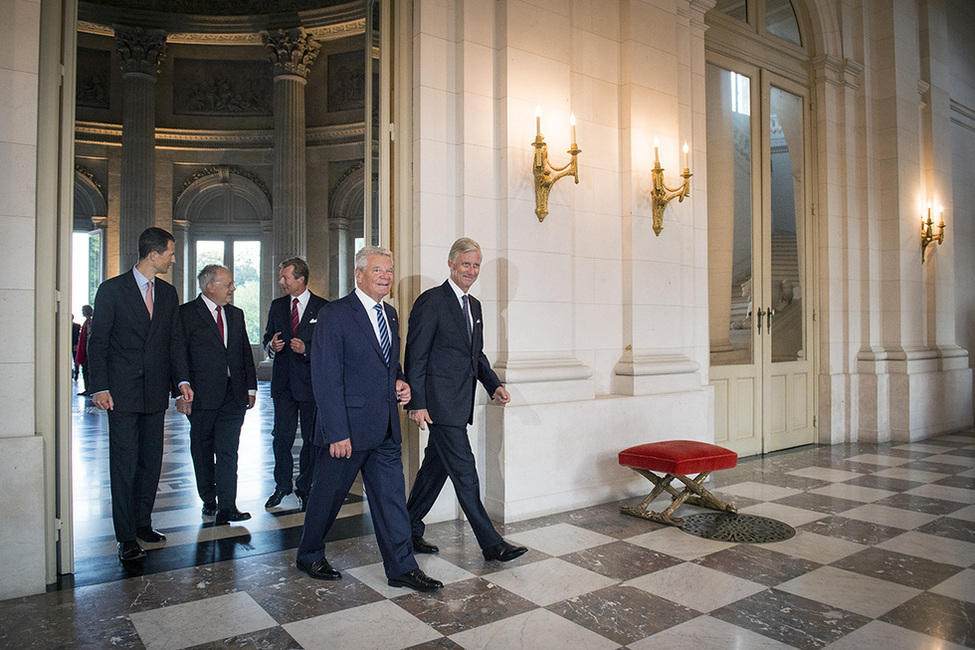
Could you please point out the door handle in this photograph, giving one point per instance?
(761, 312)
(768, 321)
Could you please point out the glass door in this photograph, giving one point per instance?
(758, 262)
(243, 258)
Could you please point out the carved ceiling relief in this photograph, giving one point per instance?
(92, 86)
(226, 87)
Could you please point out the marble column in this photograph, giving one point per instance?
(292, 53)
(141, 51)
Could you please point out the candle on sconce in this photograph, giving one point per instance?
(928, 220)
(941, 216)
(572, 127)
(686, 149)
(538, 119)
(656, 150)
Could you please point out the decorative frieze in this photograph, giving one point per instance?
(140, 49)
(224, 169)
(291, 51)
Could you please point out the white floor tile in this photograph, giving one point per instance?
(906, 474)
(932, 547)
(793, 516)
(945, 492)
(560, 539)
(877, 634)
(960, 586)
(706, 633)
(200, 621)
(374, 576)
(826, 474)
(759, 491)
(700, 588)
(924, 447)
(536, 629)
(674, 541)
(549, 581)
(879, 459)
(853, 592)
(967, 513)
(887, 516)
(950, 459)
(376, 625)
(817, 548)
(853, 492)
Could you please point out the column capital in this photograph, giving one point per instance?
(141, 49)
(291, 51)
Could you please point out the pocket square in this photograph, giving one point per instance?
(313, 320)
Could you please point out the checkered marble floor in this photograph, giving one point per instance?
(884, 557)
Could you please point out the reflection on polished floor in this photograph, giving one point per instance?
(884, 557)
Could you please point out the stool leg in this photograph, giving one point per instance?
(704, 498)
(660, 485)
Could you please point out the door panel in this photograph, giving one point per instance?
(758, 264)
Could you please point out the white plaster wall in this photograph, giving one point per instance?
(558, 313)
(22, 550)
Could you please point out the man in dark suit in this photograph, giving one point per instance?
(222, 371)
(444, 362)
(287, 339)
(136, 353)
(358, 383)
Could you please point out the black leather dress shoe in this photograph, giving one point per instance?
(319, 570)
(209, 509)
(130, 551)
(415, 579)
(420, 545)
(275, 499)
(504, 552)
(149, 536)
(227, 516)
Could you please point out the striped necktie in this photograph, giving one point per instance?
(294, 316)
(383, 332)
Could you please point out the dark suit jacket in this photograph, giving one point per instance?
(354, 388)
(208, 359)
(139, 360)
(442, 364)
(291, 371)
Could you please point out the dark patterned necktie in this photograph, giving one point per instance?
(294, 316)
(383, 332)
(467, 318)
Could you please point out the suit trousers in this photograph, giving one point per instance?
(382, 477)
(134, 461)
(286, 413)
(449, 454)
(214, 440)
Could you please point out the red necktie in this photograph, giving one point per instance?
(294, 316)
(149, 298)
(220, 323)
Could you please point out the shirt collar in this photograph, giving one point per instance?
(140, 279)
(460, 293)
(212, 306)
(303, 297)
(366, 301)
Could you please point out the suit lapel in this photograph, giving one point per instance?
(364, 320)
(456, 311)
(209, 321)
(133, 294)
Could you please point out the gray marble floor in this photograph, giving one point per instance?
(884, 557)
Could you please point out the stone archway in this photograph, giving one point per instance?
(345, 223)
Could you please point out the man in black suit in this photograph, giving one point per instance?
(222, 371)
(136, 353)
(444, 362)
(287, 339)
(358, 384)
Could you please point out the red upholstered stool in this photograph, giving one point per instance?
(677, 459)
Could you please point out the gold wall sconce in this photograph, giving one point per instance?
(661, 195)
(927, 230)
(543, 170)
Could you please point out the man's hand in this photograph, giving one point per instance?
(183, 406)
(501, 396)
(251, 401)
(103, 400)
(276, 344)
(187, 392)
(402, 391)
(341, 449)
(421, 417)
(297, 345)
